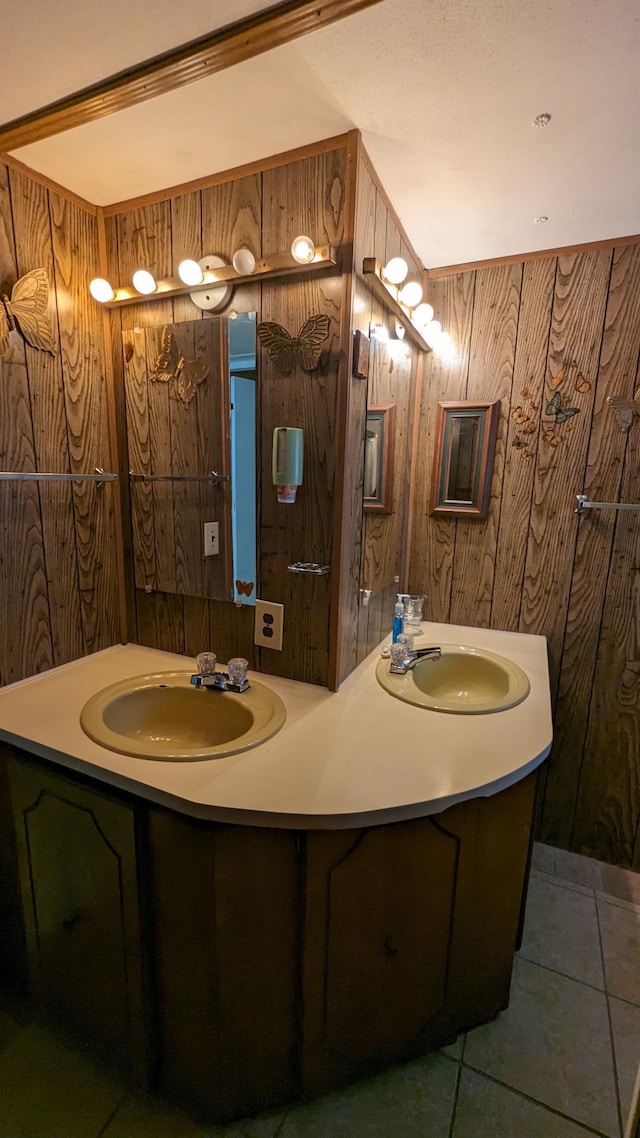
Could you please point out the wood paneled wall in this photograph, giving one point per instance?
(58, 590)
(376, 541)
(526, 332)
(264, 211)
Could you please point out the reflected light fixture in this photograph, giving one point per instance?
(143, 281)
(422, 315)
(190, 272)
(303, 250)
(410, 294)
(395, 270)
(101, 290)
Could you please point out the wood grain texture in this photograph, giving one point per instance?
(231, 220)
(491, 362)
(588, 595)
(572, 580)
(74, 235)
(30, 207)
(57, 568)
(308, 195)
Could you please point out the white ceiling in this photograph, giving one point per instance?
(443, 93)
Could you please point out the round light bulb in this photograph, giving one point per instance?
(144, 282)
(244, 262)
(432, 331)
(422, 315)
(395, 270)
(379, 332)
(411, 294)
(101, 290)
(303, 250)
(190, 272)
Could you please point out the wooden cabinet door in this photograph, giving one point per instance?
(76, 854)
(377, 942)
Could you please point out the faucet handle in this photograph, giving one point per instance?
(206, 663)
(237, 669)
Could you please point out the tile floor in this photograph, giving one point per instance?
(559, 1063)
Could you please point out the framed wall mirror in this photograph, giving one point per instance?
(378, 457)
(463, 459)
(190, 395)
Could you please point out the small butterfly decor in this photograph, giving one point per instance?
(244, 588)
(170, 364)
(288, 351)
(559, 408)
(26, 311)
(526, 424)
(625, 410)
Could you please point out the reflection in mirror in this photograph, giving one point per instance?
(463, 459)
(378, 458)
(190, 406)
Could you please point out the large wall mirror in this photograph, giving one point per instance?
(191, 431)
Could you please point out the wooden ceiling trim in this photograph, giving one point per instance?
(537, 255)
(48, 183)
(205, 56)
(337, 142)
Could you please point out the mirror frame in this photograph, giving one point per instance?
(442, 501)
(382, 500)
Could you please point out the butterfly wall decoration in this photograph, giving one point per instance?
(625, 409)
(288, 351)
(560, 413)
(245, 588)
(26, 311)
(170, 364)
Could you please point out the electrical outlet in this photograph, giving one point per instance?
(211, 539)
(269, 625)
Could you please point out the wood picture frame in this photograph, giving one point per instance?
(463, 460)
(379, 451)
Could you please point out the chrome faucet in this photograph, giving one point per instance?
(411, 657)
(234, 679)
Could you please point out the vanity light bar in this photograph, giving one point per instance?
(279, 265)
(372, 270)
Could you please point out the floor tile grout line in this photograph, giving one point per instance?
(529, 1098)
(616, 1076)
(565, 975)
(454, 1105)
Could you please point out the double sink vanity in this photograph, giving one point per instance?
(250, 897)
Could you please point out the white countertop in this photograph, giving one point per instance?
(349, 758)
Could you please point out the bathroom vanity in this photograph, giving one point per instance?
(275, 923)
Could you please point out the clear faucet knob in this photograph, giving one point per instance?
(206, 663)
(237, 669)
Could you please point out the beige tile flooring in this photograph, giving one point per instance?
(559, 1063)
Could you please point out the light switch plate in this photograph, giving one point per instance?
(211, 539)
(269, 625)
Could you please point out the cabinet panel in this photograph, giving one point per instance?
(76, 853)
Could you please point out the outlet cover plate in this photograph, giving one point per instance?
(269, 625)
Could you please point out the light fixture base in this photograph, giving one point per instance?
(218, 296)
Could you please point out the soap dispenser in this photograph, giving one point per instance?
(398, 618)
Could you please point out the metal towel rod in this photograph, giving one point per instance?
(583, 504)
(211, 477)
(37, 476)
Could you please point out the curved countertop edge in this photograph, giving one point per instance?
(400, 812)
(410, 770)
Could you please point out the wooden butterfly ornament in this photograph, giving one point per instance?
(302, 350)
(625, 409)
(245, 588)
(26, 311)
(170, 364)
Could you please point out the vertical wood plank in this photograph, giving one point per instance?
(491, 361)
(75, 240)
(588, 593)
(431, 560)
(30, 207)
(576, 334)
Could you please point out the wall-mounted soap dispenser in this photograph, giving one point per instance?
(287, 461)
